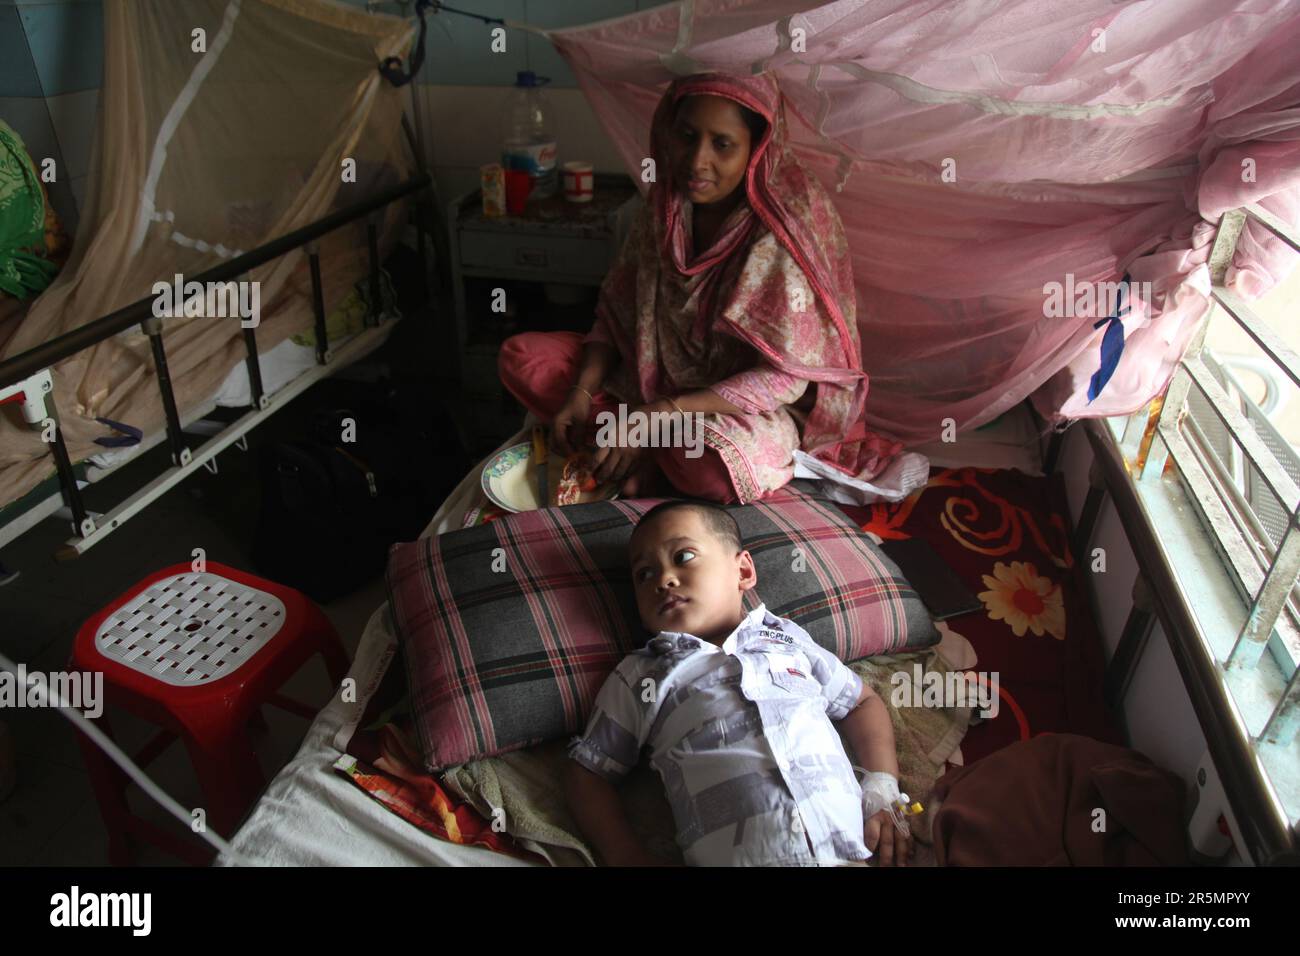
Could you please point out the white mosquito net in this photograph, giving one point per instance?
(200, 155)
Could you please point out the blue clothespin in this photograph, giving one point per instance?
(1112, 343)
(126, 434)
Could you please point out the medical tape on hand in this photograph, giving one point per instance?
(880, 792)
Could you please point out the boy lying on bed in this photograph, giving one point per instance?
(736, 711)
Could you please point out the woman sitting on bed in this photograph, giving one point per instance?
(732, 300)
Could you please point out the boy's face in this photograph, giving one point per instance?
(686, 579)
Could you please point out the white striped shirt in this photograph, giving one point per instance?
(741, 735)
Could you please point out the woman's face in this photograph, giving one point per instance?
(710, 146)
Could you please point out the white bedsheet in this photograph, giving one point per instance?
(1013, 440)
(311, 815)
(279, 366)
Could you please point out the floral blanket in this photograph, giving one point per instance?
(1006, 535)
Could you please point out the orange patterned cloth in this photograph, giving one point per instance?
(383, 762)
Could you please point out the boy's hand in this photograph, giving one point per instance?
(892, 848)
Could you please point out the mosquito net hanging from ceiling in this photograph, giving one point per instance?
(985, 150)
(203, 151)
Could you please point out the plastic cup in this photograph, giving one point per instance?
(519, 184)
(579, 181)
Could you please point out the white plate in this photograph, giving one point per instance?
(509, 480)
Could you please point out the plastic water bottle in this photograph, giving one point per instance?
(529, 144)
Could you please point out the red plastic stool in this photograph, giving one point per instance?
(197, 653)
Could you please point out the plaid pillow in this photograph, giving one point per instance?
(509, 629)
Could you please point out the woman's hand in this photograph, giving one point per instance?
(614, 463)
(569, 427)
(892, 848)
(621, 463)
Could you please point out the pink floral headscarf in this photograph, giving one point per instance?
(820, 345)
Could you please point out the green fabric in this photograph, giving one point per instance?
(349, 317)
(23, 273)
(527, 784)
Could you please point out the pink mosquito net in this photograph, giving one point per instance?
(983, 150)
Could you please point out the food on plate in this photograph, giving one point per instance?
(576, 480)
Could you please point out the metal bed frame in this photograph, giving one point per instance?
(25, 378)
(1268, 833)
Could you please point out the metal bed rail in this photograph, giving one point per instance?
(26, 378)
(1158, 596)
(1153, 440)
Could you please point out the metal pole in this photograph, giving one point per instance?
(1132, 642)
(20, 367)
(1270, 600)
(1090, 512)
(180, 454)
(255, 391)
(422, 199)
(318, 305)
(374, 313)
(82, 524)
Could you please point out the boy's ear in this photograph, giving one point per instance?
(748, 572)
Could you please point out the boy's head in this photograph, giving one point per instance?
(689, 569)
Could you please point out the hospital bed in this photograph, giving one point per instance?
(332, 148)
(311, 814)
(262, 387)
(287, 370)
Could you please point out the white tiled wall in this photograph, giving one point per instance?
(73, 116)
(50, 70)
(464, 132)
(52, 99)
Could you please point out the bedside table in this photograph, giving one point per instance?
(553, 241)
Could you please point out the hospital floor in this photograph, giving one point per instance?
(52, 818)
